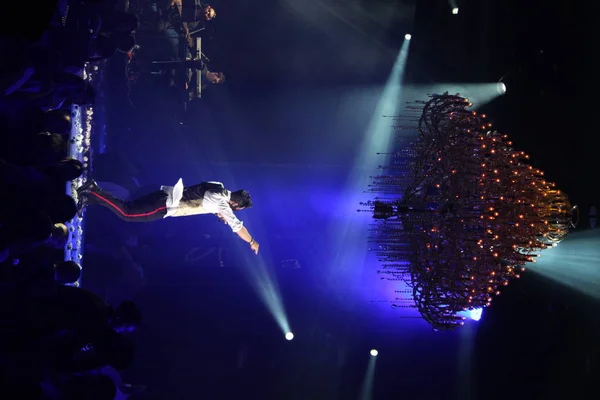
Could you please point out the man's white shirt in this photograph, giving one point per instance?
(212, 203)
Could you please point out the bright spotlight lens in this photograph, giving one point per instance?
(289, 336)
(374, 353)
(502, 87)
(455, 10)
(476, 314)
(407, 36)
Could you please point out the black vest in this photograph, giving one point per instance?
(196, 192)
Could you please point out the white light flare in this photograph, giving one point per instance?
(501, 87)
(476, 314)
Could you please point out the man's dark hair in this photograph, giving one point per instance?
(242, 198)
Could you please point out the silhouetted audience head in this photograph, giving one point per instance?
(47, 148)
(117, 350)
(126, 317)
(67, 272)
(60, 208)
(41, 80)
(34, 226)
(57, 121)
(59, 237)
(90, 387)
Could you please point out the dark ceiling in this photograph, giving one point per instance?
(356, 41)
(308, 40)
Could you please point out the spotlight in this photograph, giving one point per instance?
(501, 87)
(476, 314)
(455, 10)
(289, 336)
(374, 353)
(407, 36)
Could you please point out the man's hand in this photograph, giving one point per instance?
(188, 37)
(190, 41)
(254, 246)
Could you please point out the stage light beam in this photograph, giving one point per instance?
(408, 36)
(374, 353)
(574, 263)
(289, 336)
(455, 10)
(479, 94)
(349, 248)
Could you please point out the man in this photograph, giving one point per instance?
(187, 70)
(187, 16)
(176, 201)
(216, 78)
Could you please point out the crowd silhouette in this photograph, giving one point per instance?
(170, 51)
(58, 341)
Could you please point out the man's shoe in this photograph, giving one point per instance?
(89, 186)
(81, 204)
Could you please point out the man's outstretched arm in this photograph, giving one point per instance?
(219, 205)
(246, 237)
(228, 217)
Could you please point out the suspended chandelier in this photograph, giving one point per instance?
(459, 212)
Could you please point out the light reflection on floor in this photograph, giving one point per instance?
(80, 149)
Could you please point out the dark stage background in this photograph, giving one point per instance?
(303, 81)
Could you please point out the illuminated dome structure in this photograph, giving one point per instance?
(459, 212)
